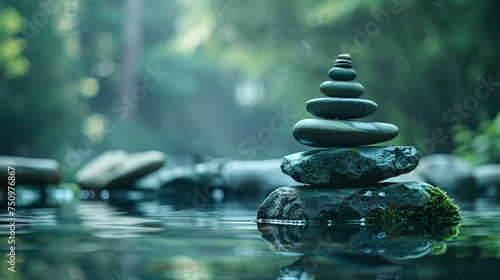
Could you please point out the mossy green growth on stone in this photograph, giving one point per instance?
(438, 214)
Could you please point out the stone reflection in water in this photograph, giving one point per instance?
(184, 268)
(345, 266)
(107, 222)
(357, 250)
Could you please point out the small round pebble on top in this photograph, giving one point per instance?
(344, 56)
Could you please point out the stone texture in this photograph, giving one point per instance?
(346, 62)
(342, 74)
(350, 167)
(341, 108)
(412, 176)
(341, 89)
(343, 65)
(339, 133)
(413, 203)
(344, 56)
(30, 170)
(117, 169)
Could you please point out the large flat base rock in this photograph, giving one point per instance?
(410, 202)
(359, 166)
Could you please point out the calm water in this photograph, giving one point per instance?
(160, 239)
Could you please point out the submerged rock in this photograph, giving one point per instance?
(411, 203)
(117, 169)
(31, 170)
(350, 167)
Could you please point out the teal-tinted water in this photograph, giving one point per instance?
(166, 240)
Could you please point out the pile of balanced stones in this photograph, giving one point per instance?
(342, 179)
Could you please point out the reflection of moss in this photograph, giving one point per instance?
(437, 249)
(440, 216)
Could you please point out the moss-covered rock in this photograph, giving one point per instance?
(408, 204)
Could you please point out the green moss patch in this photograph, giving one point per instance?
(440, 215)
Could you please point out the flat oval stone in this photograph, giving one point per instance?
(343, 61)
(342, 74)
(341, 89)
(340, 133)
(344, 56)
(343, 65)
(341, 108)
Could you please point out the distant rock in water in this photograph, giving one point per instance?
(117, 169)
(487, 177)
(31, 170)
(449, 172)
(243, 178)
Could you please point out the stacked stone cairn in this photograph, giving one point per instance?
(342, 178)
(347, 162)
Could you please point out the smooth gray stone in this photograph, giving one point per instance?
(348, 61)
(30, 170)
(350, 167)
(404, 204)
(340, 133)
(341, 89)
(342, 74)
(343, 65)
(344, 56)
(341, 108)
(117, 169)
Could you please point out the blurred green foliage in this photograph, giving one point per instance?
(66, 67)
(12, 63)
(40, 107)
(481, 145)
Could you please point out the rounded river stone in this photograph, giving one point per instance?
(343, 61)
(341, 89)
(339, 133)
(344, 56)
(341, 108)
(343, 65)
(342, 74)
